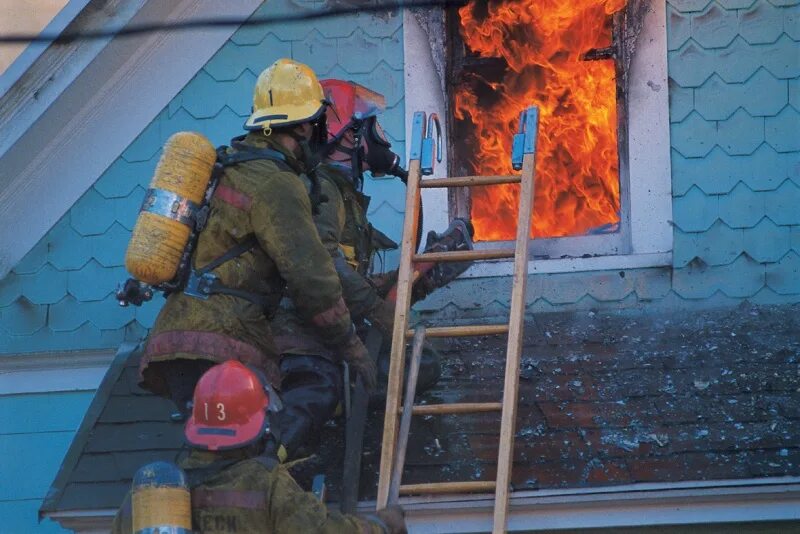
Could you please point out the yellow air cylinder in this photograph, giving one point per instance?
(166, 217)
(160, 500)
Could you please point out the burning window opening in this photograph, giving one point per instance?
(570, 59)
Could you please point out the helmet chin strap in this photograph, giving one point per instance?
(357, 171)
(312, 158)
(355, 153)
(366, 149)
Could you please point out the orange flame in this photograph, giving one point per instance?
(577, 172)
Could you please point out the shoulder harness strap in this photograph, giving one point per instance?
(243, 152)
(202, 282)
(198, 475)
(270, 462)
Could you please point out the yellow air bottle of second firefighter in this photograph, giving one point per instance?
(166, 218)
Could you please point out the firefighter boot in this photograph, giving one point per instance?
(430, 369)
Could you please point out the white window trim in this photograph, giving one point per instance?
(651, 234)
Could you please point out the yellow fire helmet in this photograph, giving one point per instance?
(286, 93)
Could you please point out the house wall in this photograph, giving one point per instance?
(35, 432)
(734, 98)
(733, 89)
(61, 295)
(734, 95)
(59, 298)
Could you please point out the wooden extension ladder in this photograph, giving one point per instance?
(395, 432)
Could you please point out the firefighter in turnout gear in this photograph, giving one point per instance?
(356, 144)
(236, 486)
(259, 244)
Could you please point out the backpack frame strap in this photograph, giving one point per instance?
(203, 283)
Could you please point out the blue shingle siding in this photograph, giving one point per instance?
(60, 296)
(734, 84)
(736, 155)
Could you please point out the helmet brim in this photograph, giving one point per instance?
(282, 116)
(211, 438)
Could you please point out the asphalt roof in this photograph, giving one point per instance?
(604, 399)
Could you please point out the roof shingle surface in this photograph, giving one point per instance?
(604, 399)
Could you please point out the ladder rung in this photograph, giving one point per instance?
(469, 181)
(455, 408)
(463, 331)
(447, 487)
(466, 255)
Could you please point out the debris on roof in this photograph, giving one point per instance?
(605, 399)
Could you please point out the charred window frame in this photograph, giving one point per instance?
(626, 26)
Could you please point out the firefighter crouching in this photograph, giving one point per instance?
(259, 243)
(236, 485)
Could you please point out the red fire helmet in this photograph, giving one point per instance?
(349, 100)
(230, 405)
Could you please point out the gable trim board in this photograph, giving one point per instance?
(33, 51)
(48, 167)
(675, 503)
(44, 71)
(53, 371)
(85, 521)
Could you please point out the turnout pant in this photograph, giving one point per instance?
(311, 389)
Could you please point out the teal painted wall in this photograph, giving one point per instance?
(734, 100)
(35, 433)
(60, 296)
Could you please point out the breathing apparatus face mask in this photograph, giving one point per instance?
(363, 146)
(357, 140)
(378, 157)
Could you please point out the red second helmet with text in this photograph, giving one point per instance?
(230, 408)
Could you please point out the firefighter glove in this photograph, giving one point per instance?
(357, 357)
(394, 519)
(382, 316)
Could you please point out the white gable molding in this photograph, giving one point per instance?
(98, 115)
(33, 51)
(634, 505)
(47, 372)
(424, 92)
(43, 71)
(631, 505)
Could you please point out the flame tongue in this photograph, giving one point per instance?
(542, 41)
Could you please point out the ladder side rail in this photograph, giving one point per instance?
(516, 324)
(402, 309)
(405, 420)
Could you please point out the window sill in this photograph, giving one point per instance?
(573, 265)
